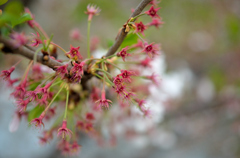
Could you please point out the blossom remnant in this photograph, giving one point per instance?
(64, 131)
(92, 10)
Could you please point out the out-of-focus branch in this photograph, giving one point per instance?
(194, 109)
(122, 33)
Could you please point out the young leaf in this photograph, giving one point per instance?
(3, 2)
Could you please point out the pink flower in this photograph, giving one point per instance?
(75, 34)
(128, 96)
(92, 10)
(64, 131)
(123, 53)
(47, 136)
(103, 102)
(44, 90)
(31, 23)
(43, 100)
(127, 74)
(77, 71)
(152, 12)
(156, 49)
(90, 116)
(140, 27)
(88, 127)
(78, 68)
(62, 70)
(5, 74)
(74, 53)
(147, 112)
(118, 81)
(146, 62)
(36, 40)
(64, 146)
(19, 39)
(139, 44)
(141, 103)
(150, 49)
(156, 22)
(32, 95)
(76, 78)
(22, 104)
(154, 79)
(20, 90)
(37, 72)
(51, 112)
(38, 121)
(120, 90)
(80, 125)
(75, 148)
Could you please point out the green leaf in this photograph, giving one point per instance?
(35, 113)
(129, 40)
(14, 8)
(5, 31)
(12, 14)
(25, 17)
(3, 2)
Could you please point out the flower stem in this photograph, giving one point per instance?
(114, 65)
(65, 113)
(53, 99)
(27, 70)
(103, 71)
(140, 38)
(134, 18)
(59, 47)
(48, 42)
(88, 39)
(108, 81)
(110, 56)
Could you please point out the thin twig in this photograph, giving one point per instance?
(123, 34)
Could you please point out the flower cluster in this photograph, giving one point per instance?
(91, 87)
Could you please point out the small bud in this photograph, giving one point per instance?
(127, 28)
(134, 26)
(1, 46)
(45, 58)
(53, 51)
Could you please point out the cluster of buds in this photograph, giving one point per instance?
(118, 83)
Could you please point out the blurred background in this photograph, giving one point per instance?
(199, 99)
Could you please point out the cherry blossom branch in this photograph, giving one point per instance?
(29, 53)
(9, 47)
(123, 34)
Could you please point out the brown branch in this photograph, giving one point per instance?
(123, 34)
(26, 52)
